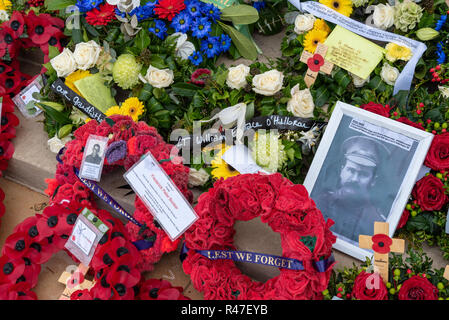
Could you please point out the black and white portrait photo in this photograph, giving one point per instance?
(363, 172)
(93, 157)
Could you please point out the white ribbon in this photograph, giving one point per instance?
(229, 116)
(404, 81)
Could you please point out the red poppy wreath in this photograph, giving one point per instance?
(288, 210)
(117, 263)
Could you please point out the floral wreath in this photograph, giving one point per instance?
(287, 209)
(117, 263)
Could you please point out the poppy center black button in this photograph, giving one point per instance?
(32, 232)
(381, 244)
(53, 41)
(107, 259)
(8, 268)
(121, 251)
(8, 38)
(123, 268)
(154, 292)
(15, 25)
(52, 221)
(1, 151)
(71, 218)
(9, 83)
(316, 61)
(20, 245)
(39, 30)
(4, 121)
(121, 289)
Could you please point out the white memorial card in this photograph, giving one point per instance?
(161, 196)
(240, 159)
(25, 100)
(93, 157)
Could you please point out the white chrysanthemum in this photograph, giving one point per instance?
(268, 150)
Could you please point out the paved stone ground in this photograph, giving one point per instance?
(33, 162)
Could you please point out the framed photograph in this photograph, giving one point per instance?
(93, 157)
(364, 171)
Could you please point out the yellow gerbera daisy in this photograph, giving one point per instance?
(74, 76)
(5, 4)
(220, 169)
(320, 24)
(341, 6)
(132, 107)
(397, 52)
(312, 38)
(113, 110)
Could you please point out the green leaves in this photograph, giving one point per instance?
(321, 96)
(244, 45)
(185, 89)
(240, 14)
(142, 40)
(54, 5)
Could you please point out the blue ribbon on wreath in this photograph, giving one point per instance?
(259, 258)
(103, 195)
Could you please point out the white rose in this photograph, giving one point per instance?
(64, 63)
(383, 16)
(237, 76)
(55, 144)
(358, 82)
(4, 15)
(304, 23)
(444, 91)
(184, 49)
(158, 78)
(125, 5)
(301, 104)
(86, 54)
(197, 177)
(389, 74)
(268, 83)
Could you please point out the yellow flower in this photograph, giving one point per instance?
(397, 52)
(320, 24)
(113, 110)
(87, 120)
(341, 6)
(312, 38)
(5, 4)
(220, 169)
(132, 107)
(74, 76)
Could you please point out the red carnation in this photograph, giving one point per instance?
(169, 8)
(438, 155)
(377, 108)
(418, 288)
(369, 286)
(430, 194)
(101, 16)
(199, 76)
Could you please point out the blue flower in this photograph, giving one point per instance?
(143, 12)
(194, 8)
(225, 42)
(88, 5)
(259, 5)
(181, 23)
(441, 22)
(196, 58)
(201, 27)
(160, 30)
(211, 11)
(119, 13)
(211, 47)
(440, 53)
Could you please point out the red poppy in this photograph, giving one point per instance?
(81, 295)
(31, 272)
(10, 269)
(168, 9)
(19, 291)
(16, 23)
(381, 243)
(7, 41)
(8, 120)
(101, 16)
(55, 40)
(40, 29)
(16, 245)
(315, 62)
(154, 289)
(6, 150)
(4, 69)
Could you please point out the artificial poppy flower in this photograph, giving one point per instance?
(81, 295)
(10, 269)
(315, 62)
(4, 69)
(122, 283)
(101, 16)
(120, 266)
(154, 289)
(381, 243)
(7, 42)
(55, 22)
(16, 23)
(18, 291)
(55, 41)
(6, 150)
(168, 9)
(8, 120)
(31, 273)
(40, 30)
(16, 245)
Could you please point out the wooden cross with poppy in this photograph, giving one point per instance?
(382, 245)
(74, 281)
(316, 63)
(446, 273)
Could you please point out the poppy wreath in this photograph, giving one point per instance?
(114, 265)
(128, 142)
(287, 209)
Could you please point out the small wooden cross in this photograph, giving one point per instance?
(382, 245)
(446, 273)
(70, 280)
(316, 62)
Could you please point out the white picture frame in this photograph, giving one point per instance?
(421, 143)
